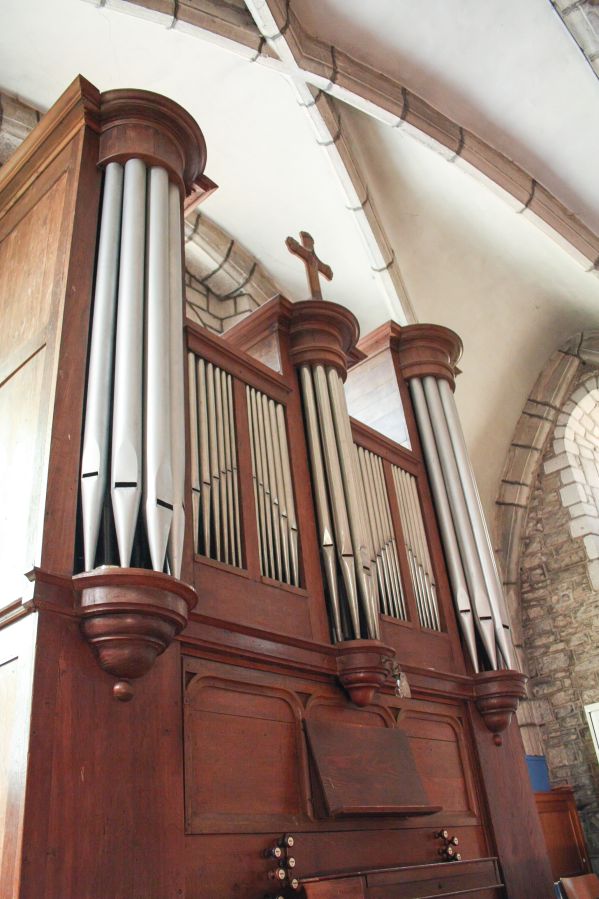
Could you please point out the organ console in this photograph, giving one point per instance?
(300, 606)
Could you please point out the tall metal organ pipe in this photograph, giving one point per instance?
(448, 535)
(467, 546)
(177, 533)
(479, 527)
(94, 458)
(127, 469)
(337, 479)
(136, 368)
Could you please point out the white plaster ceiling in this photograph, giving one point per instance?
(273, 178)
(472, 264)
(506, 69)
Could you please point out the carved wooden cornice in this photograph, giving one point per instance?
(421, 350)
(148, 126)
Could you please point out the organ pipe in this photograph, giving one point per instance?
(468, 550)
(127, 469)
(481, 535)
(94, 460)
(448, 535)
(177, 398)
(136, 367)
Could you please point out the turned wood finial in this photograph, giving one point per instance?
(313, 264)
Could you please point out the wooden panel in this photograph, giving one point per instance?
(28, 266)
(563, 832)
(347, 888)
(366, 770)
(243, 754)
(479, 877)
(437, 747)
(16, 661)
(30, 281)
(373, 397)
(104, 808)
(512, 812)
(22, 420)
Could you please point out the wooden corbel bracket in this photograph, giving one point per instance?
(363, 666)
(498, 694)
(129, 616)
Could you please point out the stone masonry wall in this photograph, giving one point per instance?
(560, 616)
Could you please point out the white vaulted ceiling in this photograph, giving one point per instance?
(506, 70)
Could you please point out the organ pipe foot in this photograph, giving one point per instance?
(363, 668)
(129, 616)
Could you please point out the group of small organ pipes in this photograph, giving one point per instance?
(358, 544)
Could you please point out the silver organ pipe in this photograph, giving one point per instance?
(452, 552)
(177, 397)
(238, 557)
(376, 541)
(392, 600)
(126, 468)
(274, 507)
(273, 493)
(325, 529)
(158, 480)
(281, 496)
(472, 566)
(94, 459)
(215, 492)
(140, 251)
(196, 480)
(228, 469)
(389, 536)
(258, 480)
(217, 520)
(204, 454)
(468, 551)
(355, 506)
(221, 465)
(481, 535)
(343, 540)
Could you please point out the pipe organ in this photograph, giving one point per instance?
(251, 645)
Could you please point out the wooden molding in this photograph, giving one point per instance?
(319, 331)
(323, 333)
(421, 350)
(498, 694)
(77, 107)
(129, 616)
(142, 124)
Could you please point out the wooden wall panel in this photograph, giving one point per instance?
(563, 832)
(34, 236)
(28, 267)
(17, 644)
(513, 817)
(438, 745)
(104, 807)
(262, 787)
(22, 418)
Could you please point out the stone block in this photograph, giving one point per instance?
(584, 508)
(557, 463)
(553, 384)
(514, 494)
(586, 524)
(571, 475)
(554, 662)
(573, 493)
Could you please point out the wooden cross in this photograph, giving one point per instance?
(305, 251)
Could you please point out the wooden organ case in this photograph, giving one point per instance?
(257, 651)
